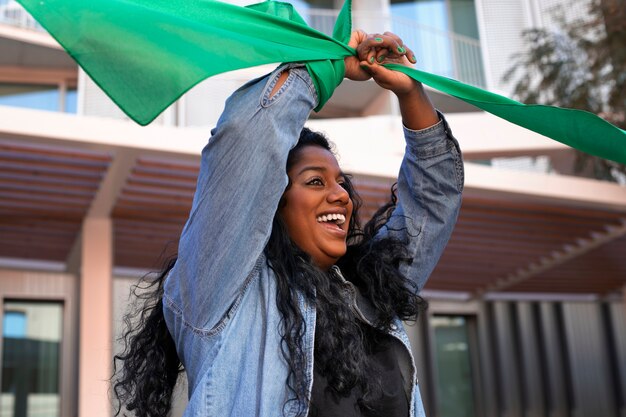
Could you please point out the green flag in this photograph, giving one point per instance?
(145, 54)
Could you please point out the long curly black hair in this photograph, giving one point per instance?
(145, 382)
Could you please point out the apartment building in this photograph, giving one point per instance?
(527, 311)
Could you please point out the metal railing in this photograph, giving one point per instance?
(440, 52)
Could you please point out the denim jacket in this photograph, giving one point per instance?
(220, 297)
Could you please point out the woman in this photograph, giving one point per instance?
(278, 303)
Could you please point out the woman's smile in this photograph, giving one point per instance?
(334, 223)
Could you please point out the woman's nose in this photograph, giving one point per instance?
(338, 194)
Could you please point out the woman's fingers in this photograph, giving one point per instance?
(398, 44)
(367, 47)
(356, 37)
(381, 55)
(375, 45)
(410, 56)
(402, 49)
(352, 63)
(373, 50)
(377, 48)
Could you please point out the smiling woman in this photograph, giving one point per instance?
(316, 206)
(279, 302)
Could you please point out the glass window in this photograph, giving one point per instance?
(444, 36)
(31, 340)
(423, 25)
(458, 16)
(463, 16)
(14, 324)
(39, 97)
(319, 14)
(71, 101)
(455, 393)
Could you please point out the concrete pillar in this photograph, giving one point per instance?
(95, 327)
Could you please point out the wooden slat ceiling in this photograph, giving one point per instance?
(495, 239)
(499, 244)
(44, 194)
(151, 211)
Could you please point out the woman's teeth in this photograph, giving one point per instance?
(337, 218)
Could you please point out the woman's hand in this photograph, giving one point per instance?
(353, 64)
(375, 50)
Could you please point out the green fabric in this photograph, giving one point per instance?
(576, 128)
(145, 54)
(326, 74)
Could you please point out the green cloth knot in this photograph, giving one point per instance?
(326, 74)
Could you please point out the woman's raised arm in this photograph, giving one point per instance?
(431, 176)
(242, 177)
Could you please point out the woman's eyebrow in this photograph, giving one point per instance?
(342, 174)
(312, 168)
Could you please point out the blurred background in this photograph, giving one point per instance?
(527, 311)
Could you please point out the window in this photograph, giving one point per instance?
(14, 324)
(458, 16)
(31, 339)
(319, 14)
(444, 36)
(455, 391)
(40, 97)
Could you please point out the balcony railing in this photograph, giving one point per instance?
(439, 52)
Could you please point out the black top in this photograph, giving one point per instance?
(392, 402)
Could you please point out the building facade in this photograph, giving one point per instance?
(527, 311)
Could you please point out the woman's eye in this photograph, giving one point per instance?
(315, 181)
(344, 185)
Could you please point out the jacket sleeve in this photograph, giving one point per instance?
(430, 184)
(242, 177)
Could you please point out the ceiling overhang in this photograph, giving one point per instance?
(517, 232)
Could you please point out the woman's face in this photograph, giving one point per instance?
(316, 207)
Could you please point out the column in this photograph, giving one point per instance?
(95, 325)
